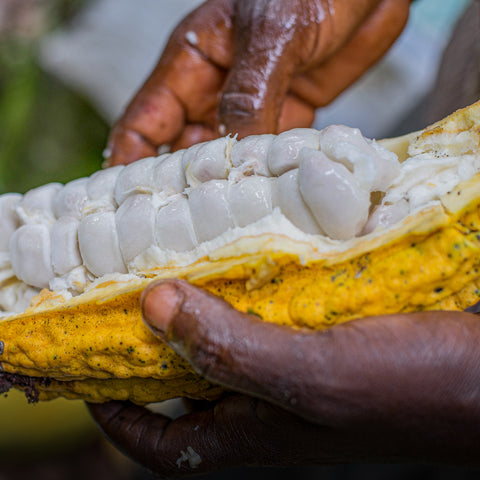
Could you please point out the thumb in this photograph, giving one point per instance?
(264, 62)
(357, 372)
(230, 348)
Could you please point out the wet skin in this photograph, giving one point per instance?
(384, 389)
(253, 66)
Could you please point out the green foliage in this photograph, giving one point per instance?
(47, 133)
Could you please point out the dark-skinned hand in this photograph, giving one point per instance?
(251, 67)
(394, 388)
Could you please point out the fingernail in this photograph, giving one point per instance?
(160, 305)
(107, 154)
(164, 148)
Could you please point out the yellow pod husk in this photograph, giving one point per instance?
(96, 347)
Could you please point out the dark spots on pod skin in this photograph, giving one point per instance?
(2, 347)
(125, 311)
(438, 290)
(459, 192)
(334, 277)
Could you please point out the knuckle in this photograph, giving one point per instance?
(204, 356)
(207, 356)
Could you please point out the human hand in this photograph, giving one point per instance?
(391, 388)
(251, 67)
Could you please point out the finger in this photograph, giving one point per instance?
(273, 40)
(192, 134)
(296, 113)
(370, 43)
(355, 372)
(222, 343)
(264, 61)
(239, 431)
(183, 87)
(233, 349)
(154, 117)
(236, 431)
(158, 113)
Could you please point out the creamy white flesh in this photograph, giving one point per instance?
(176, 208)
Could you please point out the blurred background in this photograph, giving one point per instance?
(47, 132)
(67, 69)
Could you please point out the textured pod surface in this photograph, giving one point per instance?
(95, 345)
